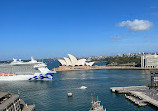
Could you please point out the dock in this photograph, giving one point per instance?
(140, 95)
(136, 100)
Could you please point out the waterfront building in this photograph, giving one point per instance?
(72, 61)
(149, 61)
(12, 102)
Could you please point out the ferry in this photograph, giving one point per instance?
(19, 70)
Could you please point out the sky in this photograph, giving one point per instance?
(54, 28)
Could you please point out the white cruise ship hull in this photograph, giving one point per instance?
(37, 76)
(15, 78)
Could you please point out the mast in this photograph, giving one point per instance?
(92, 99)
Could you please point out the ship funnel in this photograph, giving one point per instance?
(14, 60)
(33, 60)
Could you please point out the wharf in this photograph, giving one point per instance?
(136, 100)
(71, 68)
(140, 95)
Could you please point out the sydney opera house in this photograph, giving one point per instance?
(71, 63)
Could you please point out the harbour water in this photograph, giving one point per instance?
(52, 95)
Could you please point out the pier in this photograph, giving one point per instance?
(140, 95)
(136, 100)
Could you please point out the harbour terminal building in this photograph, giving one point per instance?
(71, 63)
(149, 61)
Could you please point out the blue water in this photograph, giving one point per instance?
(52, 95)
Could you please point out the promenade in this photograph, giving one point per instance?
(70, 68)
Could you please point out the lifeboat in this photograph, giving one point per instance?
(11, 74)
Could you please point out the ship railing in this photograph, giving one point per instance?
(24, 73)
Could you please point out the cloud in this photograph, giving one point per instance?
(128, 33)
(137, 25)
(116, 38)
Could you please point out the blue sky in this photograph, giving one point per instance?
(54, 28)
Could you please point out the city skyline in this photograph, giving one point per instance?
(48, 29)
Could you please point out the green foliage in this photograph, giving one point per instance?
(155, 84)
(7, 96)
(122, 60)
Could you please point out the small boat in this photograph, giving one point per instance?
(69, 94)
(83, 87)
(96, 106)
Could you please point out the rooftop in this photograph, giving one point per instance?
(2, 94)
(9, 101)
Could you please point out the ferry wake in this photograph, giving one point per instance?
(19, 70)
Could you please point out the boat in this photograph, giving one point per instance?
(69, 94)
(96, 105)
(19, 70)
(83, 87)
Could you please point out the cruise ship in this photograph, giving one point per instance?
(19, 70)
